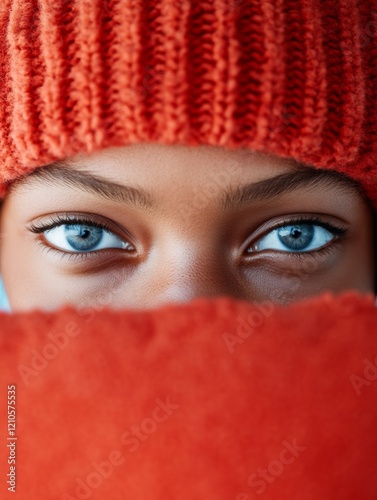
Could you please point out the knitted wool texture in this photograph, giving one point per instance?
(294, 78)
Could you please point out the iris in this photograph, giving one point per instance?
(82, 237)
(296, 237)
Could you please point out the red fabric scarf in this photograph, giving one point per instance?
(216, 400)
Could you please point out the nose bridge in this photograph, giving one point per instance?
(190, 269)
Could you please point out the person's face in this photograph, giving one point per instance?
(144, 225)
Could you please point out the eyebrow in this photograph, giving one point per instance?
(231, 198)
(302, 177)
(64, 172)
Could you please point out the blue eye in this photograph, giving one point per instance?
(83, 238)
(297, 237)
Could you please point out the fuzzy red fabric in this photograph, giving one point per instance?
(216, 399)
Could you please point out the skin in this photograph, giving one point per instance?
(191, 241)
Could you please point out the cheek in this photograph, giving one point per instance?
(24, 279)
(285, 284)
(349, 267)
(27, 280)
(360, 265)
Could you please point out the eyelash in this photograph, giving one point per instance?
(59, 220)
(338, 231)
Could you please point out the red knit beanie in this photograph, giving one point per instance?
(296, 78)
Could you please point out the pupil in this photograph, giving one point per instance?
(296, 233)
(82, 237)
(296, 237)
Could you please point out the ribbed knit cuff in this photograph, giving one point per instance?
(291, 77)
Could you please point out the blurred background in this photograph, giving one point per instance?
(3, 298)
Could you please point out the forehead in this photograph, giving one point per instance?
(154, 176)
(157, 166)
